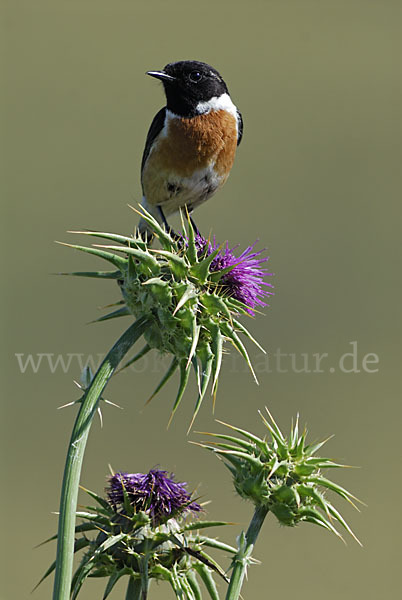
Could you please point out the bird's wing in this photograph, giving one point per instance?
(239, 126)
(154, 130)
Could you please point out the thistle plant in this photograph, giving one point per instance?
(143, 529)
(281, 475)
(187, 299)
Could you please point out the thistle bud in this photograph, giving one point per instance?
(283, 475)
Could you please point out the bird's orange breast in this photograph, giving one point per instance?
(194, 143)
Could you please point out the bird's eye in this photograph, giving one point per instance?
(195, 76)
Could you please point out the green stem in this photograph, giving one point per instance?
(134, 589)
(144, 566)
(144, 593)
(241, 559)
(75, 454)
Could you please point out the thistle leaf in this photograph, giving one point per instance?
(214, 543)
(121, 312)
(243, 444)
(332, 510)
(78, 545)
(206, 576)
(311, 492)
(117, 261)
(110, 541)
(294, 432)
(217, 349)
(245, 331)
(216, 276)
(95, 517)
(164, 237)
(237, 306)
(186, 587)
(274, 426)
(238, 344)
(184, 376)
(144, 257)
(104, 503)
(255, 462)
(139, 355)
(188, 294)
(200, 270)
(114, 579)
(165, 378)
(309, 513)
(191, 252)
(336, 488)
(206, 357)
(129, 509)
(176, 584)
(96, 274)
(195, 335)
(313, 448)
(203, 525)
(132, 272)
(196, 368)
(80, 575)
(177, 263)
(222, 446)
(215, 305)
(275, 432)
(210, 562)
(193, 583)
(250, 436)
(78, 529)
(114, 237)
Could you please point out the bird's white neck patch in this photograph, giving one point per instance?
(222, 102)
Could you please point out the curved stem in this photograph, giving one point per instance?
(241, 560)
(75, 454)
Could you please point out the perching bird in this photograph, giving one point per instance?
(191, 144)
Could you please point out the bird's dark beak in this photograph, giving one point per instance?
(161, 75)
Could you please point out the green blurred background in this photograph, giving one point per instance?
(317, 180)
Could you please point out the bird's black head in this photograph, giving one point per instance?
(188, 83)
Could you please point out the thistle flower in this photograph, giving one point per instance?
(283, 475)
(243, 278)
(142, 531)
(190, 293)
(154, 493)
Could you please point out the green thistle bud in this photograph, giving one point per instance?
(191, 292)
(283, 475)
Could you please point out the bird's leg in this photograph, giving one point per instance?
(164, 221)
(169, 230)
(197, 231)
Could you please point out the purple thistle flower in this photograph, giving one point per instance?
(154, 493)
(244, 281)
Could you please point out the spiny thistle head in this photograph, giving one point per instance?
(154, 493)
(190, 292)
(145, 532)
(282, 474)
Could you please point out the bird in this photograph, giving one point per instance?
(191, 143)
